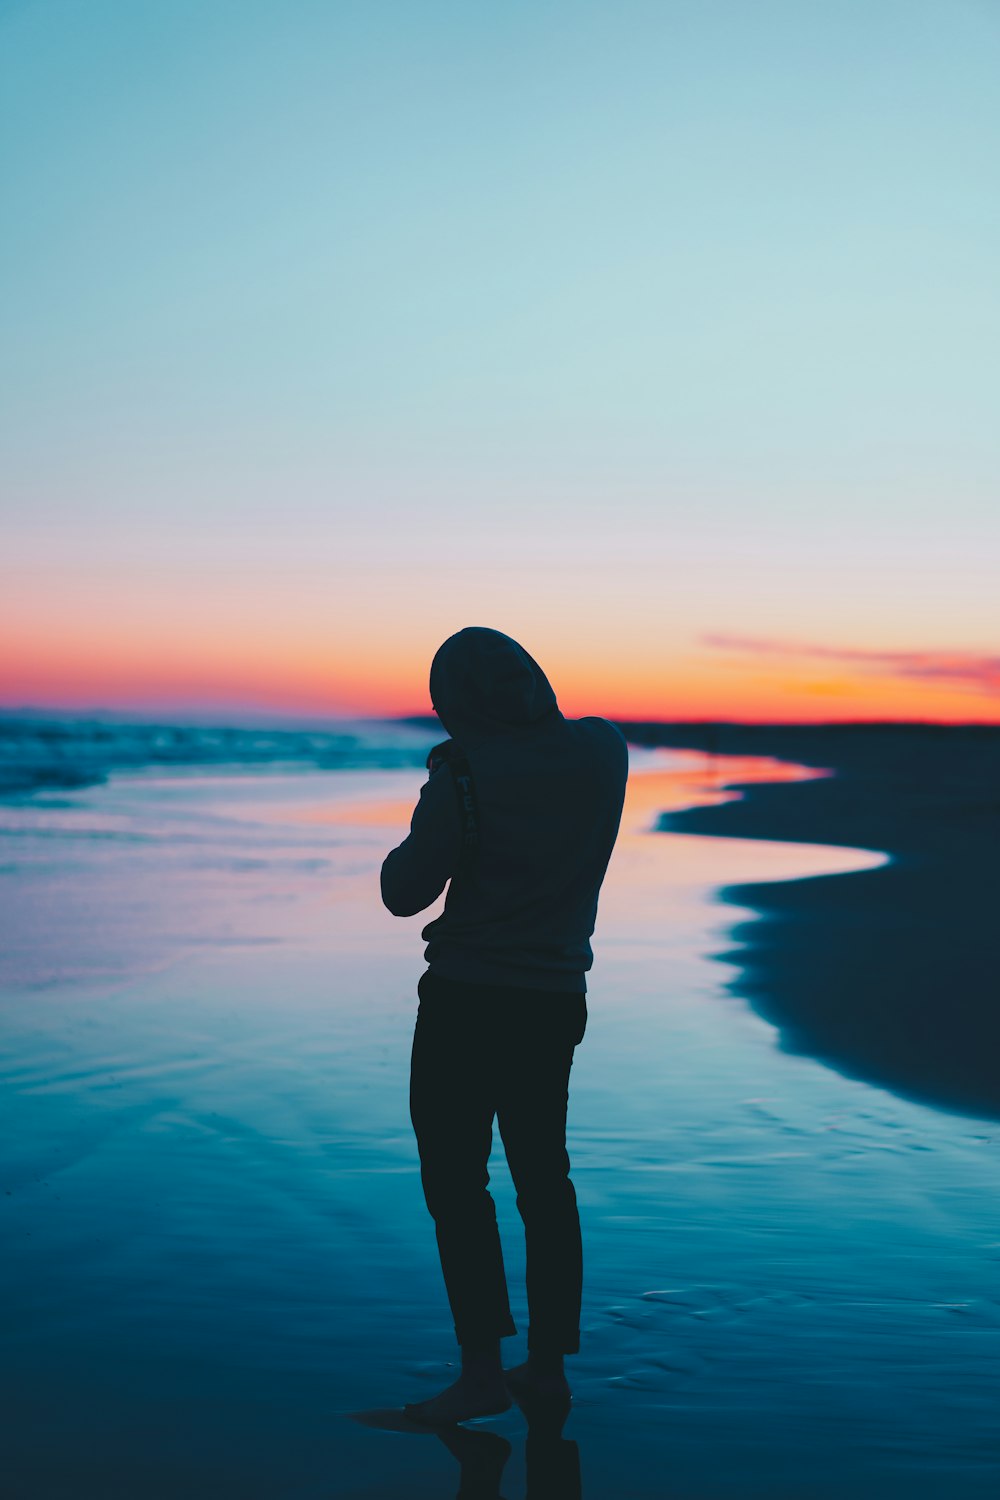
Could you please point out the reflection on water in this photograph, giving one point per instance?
(551, 1461)
(214, 1234)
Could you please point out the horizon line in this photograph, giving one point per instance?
(240, 718)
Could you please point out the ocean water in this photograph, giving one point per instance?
(215, 1250)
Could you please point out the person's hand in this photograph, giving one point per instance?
(439, 754)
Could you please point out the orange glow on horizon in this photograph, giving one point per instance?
(75, 677)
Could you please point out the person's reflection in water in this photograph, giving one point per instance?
(482, 1456)
(520, 812)
(552, 1462)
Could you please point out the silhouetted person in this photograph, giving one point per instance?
(502, 1003)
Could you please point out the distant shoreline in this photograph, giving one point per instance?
(890, 975)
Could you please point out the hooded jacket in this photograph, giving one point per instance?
(549, 794)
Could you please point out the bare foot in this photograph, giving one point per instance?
(461, 1402)
(527, 1384)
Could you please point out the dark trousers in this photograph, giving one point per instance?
(485, 1051)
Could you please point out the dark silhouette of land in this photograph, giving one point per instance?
(892, 974)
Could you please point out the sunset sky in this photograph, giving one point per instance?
(664, 337)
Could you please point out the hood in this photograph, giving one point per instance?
(483, 684)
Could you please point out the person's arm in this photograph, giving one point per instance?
(415, 873)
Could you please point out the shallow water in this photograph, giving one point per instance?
(215, 1243)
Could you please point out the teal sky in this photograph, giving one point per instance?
(689, 309)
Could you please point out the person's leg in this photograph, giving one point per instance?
(452, 1106)
(531, 1113)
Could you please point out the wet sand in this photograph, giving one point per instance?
(215, 1251)
(893, 975)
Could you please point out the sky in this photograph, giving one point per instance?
(664, 337)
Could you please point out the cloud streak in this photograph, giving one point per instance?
(969, 671)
